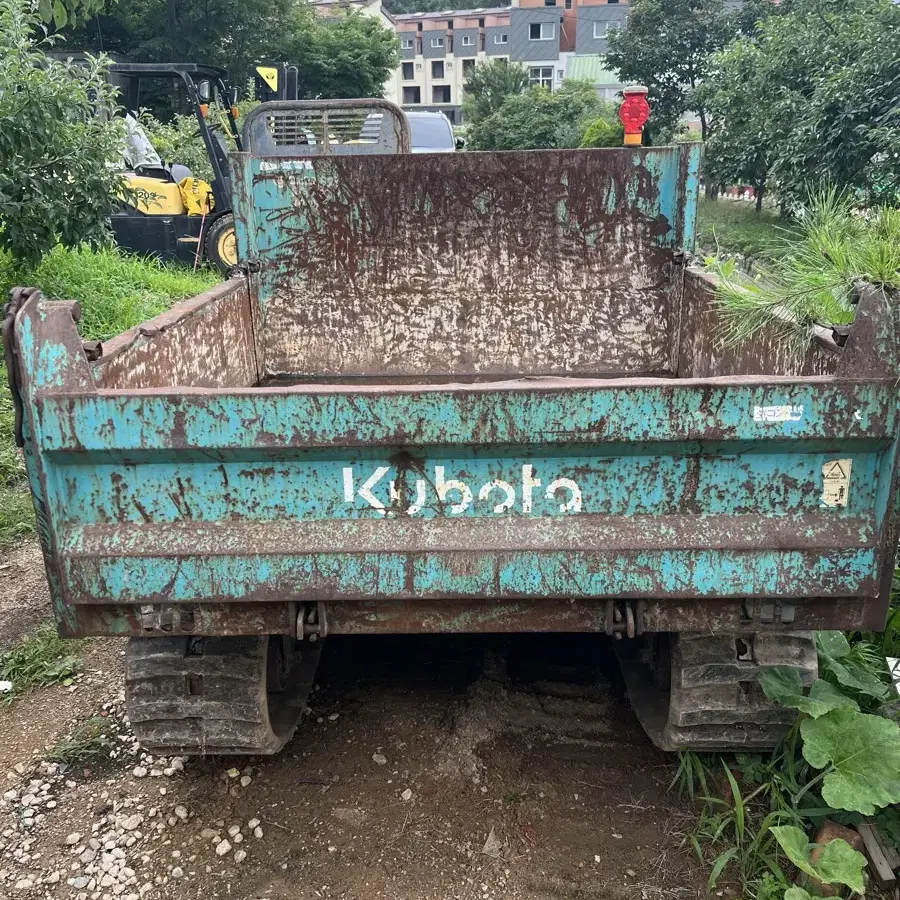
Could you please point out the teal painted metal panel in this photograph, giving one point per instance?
(464, 483)
(480, 264)
(480, 414)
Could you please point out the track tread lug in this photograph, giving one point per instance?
(231, 711)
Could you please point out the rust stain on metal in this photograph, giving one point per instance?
(204, 342)
(483, 265)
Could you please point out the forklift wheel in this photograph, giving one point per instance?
(221, 244)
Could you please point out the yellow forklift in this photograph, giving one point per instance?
(169, 212)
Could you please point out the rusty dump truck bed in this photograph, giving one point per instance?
(461, 392)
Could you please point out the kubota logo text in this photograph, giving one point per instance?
(455, 496)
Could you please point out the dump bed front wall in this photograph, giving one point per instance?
(478, 264)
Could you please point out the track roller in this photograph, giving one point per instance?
(193, 695)
(700, 692)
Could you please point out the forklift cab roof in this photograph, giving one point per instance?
(172, 70)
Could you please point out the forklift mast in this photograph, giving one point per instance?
(276, 81)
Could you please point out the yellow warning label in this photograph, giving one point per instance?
(836, 482)
(269, 75)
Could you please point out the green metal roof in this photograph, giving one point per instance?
(591, 66)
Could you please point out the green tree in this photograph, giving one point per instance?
(59, 13)
(59, 142)
(399, 7)
(538, 119)
(740, 148)
(578, 104)
(812, 98)
(667, 47)
(489, 84)
(349, 55)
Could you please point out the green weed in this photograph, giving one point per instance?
(514, 798)
(734, 836)
(692, 777)
(16, 514)
(89, 741)
(116, 292)
(732, 227)
(757, 822)
(813, 281)
(40, 660)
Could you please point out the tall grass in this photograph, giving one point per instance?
(115, 292)
(39, 660)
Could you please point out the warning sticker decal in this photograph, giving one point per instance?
(836, 482)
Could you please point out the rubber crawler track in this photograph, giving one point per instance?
(208, 695)
(714, 701)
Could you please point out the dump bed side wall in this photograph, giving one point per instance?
(703, 354)
(473, 265)
(204, 342)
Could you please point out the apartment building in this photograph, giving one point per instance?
(553, 38)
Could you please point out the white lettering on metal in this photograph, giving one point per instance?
(444, 487)
(529, 483)
(508, 490)
(458, 496)
(786, 413)
(573, 504)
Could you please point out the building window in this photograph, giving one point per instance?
(437, 42)
(406, 43)
(568, 4)
(549, 2)
(560, 74)
(541, 75)
(437, 68)
(408, 72)
(440, 94)
(602, 29)
(412, 95)
(468, 40)
(468, 65)
(541, 31)
(501, 38)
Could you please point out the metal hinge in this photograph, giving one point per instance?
(18, 297)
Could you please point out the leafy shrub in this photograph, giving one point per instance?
(841, 760)
(539, 120)
(59, 142)
(178, 141)
(603, 133)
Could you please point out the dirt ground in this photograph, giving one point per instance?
(450, 768)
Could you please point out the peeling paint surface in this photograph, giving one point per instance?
(468, 392)
(468, 264)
